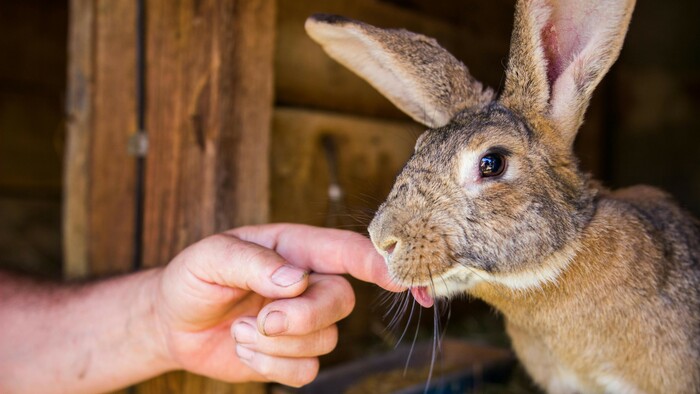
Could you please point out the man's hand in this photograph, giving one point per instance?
(242, 305)
(255, 303)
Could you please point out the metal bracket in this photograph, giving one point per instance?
(138, 144)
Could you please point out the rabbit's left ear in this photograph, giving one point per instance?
(415, 73)
(560, 50)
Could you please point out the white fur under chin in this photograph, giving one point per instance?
(613, 384)
(460, 279)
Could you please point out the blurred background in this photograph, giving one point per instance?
(327, 127)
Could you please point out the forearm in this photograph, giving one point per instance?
(79, 338)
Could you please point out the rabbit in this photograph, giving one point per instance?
(600, 289)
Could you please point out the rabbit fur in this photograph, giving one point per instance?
(600, 289)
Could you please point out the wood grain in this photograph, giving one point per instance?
(78, 125)
(370, 153)
(112, 170)
(99, 197)
(209, 111)
(210, 97)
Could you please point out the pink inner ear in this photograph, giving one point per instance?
(550, 41)
(564, 36)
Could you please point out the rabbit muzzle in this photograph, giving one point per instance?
(418, 249)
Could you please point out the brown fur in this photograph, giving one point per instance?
(632, 303)
(600, 289)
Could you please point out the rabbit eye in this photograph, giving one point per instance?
(492, 164)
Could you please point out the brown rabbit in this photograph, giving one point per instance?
(600, 289)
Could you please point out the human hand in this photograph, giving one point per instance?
(243, 305)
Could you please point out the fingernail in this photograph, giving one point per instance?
(244, 333)
(275, 323)
(288, 275)
(244, 353)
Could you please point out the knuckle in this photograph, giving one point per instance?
(304, 318)
(347, 302)
(329, 339)
(307, 372)
(217, 240)
(264, 366)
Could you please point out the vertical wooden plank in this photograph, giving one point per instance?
(112, 169)
(209, 111)
(246, 78)
(99, 197)
(209, 81)
(79, 116)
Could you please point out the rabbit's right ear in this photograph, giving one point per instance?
(415, 73)
(559, 52)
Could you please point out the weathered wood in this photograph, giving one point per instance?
(369, 152)
(306, 76)
(210, 100)
(112, 173)
(79, 109)
(99, 197)
(210, 95)
(209, 110)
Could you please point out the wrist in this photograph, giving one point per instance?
(150, 333)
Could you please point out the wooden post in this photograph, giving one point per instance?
(209, 106)
(210, 89)
(210, 103)
(79, 115)
(98, 200)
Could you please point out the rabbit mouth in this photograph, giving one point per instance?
(422, 296)
(445, 285)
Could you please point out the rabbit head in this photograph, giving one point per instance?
(493, 191)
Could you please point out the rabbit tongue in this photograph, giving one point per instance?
(422, 296)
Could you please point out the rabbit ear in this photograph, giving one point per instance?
(411, 70)
(560, 50)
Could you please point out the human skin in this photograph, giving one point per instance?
(256, 303)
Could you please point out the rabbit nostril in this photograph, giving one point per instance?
(390, 247)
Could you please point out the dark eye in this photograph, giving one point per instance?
(493, 164)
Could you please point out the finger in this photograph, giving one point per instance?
(323, 250)
(328, 299)
(315, 344)
(226, 260)
(293, 372)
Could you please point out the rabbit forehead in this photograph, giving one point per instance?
(477, 132)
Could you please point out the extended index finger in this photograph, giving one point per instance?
(322, 250)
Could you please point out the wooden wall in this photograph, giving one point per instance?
(209, 102)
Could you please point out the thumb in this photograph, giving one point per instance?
(226, 260)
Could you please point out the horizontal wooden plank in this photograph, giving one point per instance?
(368, 153)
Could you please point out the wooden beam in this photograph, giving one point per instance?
(209, 109)
(78, 125)
(98, 197)
(112, 169)
(209, 95)
(369, 153)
